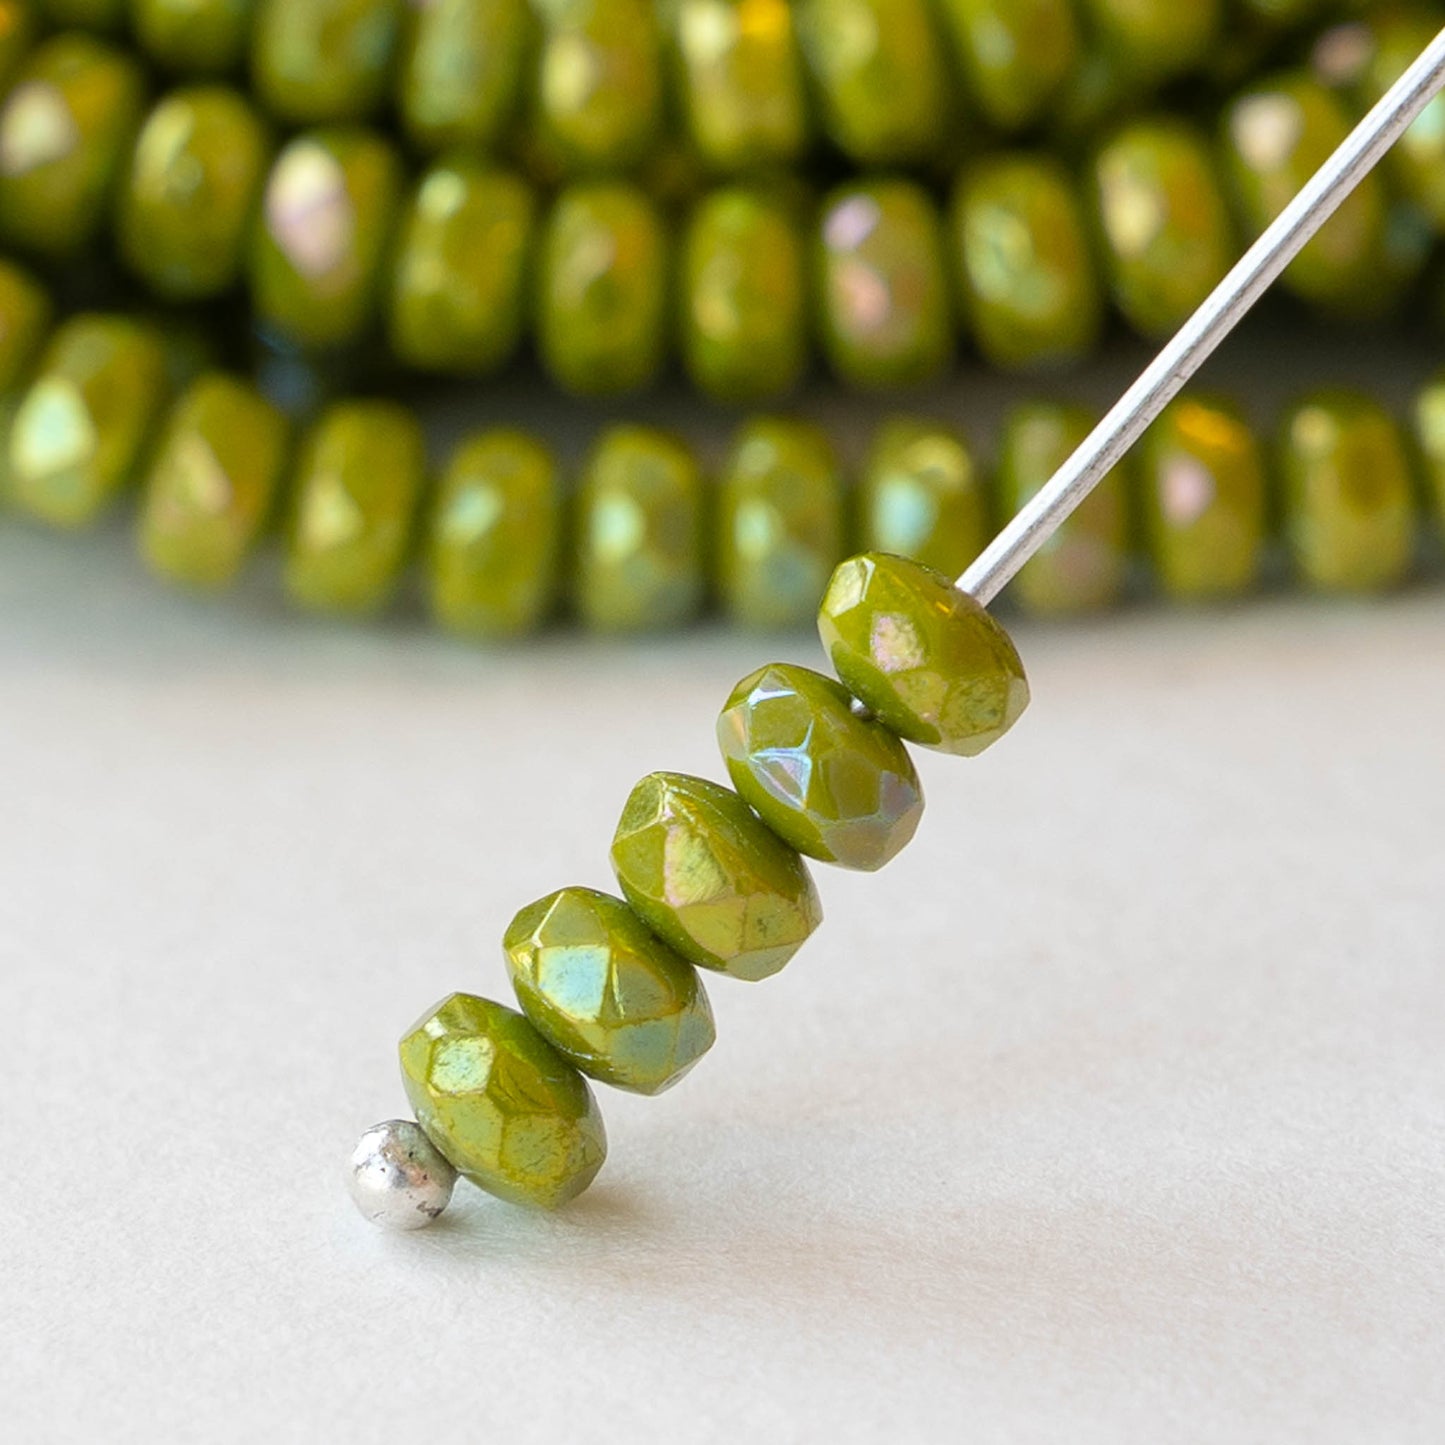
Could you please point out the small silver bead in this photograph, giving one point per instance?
(398, 1178)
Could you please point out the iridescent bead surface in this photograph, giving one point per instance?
(25, 313)
(1015, 55)
(320, 61)
(193, 37)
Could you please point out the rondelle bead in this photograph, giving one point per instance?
(925, 659)
(780, 523)
(189, 196)
(211, 481)
(886, 315)
(459, 279)
(1348, 493)
(638, 533)
(501, 1104)
(835, 786)
(612, 999)
(710, 879)
(25, 313)
(193, 37)
(1428, 434)
(493, 545)
(602, 313)
(1156, 39)
(922, 495)
(1201, 474)
(356, 484)
(398, 1178)
(78, 431)
(320, 61)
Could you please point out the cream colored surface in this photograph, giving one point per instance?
(1113, 1111)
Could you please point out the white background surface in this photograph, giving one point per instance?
(1113, 1111)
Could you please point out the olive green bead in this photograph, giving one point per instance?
(1015, 55)
(638, 533)
(927, 661)
(319, 61)
(317, 254)
(1168, 240)
(101, 15)
(80, 426)
(193, 37)
(603, 305)
(493, 545)
(463, 65)
(501, 1104)
(25, 313)
(1084, 565)
(745, 295)
(835, 786)
(741, 82)
(1417, 160)
(612, 999)
(1020, 248)
(1156, 39)
(190, 196)
(459, 280)
(710, 879)
(19, 24)
(780, 527)
(1348, 493)
(1201, 473)
(883, 288)
(599, 80)
(65, 126)
(356, 486)
(922, 495)
(1428, 429)
(211, 481)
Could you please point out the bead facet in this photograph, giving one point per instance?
(398, 1178)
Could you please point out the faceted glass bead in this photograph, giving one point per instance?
(326, 217)
(211, 482)
(356, 485)
(708, 877)
(502, 1106)
(1167, 233)
(462, 71)
(1156, 39)
(745, 295)
(77, 434)
(613, 1000)
(780, 523)
(835, 786)
(603, 315)
(25, 313)
(886, 314)
(1084, 565)
(1429, 439)
(1202, 475)
(65, 125)
(1015, 55)
(742, 84)
(494, 536)
(193, 37)
(188, 200)
(316, 61)
(1020, 247)
(922, 495)
(1348, 493)
(926, 659)
(639, 533)
(459, 281)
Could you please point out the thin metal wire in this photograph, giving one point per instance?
(1198, 338)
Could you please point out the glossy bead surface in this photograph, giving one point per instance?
(1015, 54)
(886, 318)
(1156, 39)
(833, 785)
(190, 193)
(1020, 249)
(1201, 473)
(710, 879)
(193, 37)
(318, 61)
(459, 278)
(925, 659)
(327, 213)
(494, 539)
(602, 314)
(1348, 493)
(502, 1106)
(356, 485)
(780, 523)
(921, 495)
(78, 431)
(612, 999)
(25, 313)
(397, 1177)
(211, 481)
(638, 533)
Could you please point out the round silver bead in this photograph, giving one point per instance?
(398, 1178)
